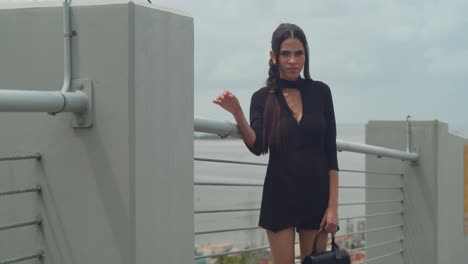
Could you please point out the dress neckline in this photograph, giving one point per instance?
(297, 84)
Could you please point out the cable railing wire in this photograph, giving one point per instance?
(376, 245)
(18, 225)
(26, 190)
(37, 255)
(36, 156)
(257, 227)
(230, 253)
(200, 183)
(266, 164)
(257, 209)
(370, 230)
(381, 257)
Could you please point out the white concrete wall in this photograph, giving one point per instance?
(433, 193)
(121, 191)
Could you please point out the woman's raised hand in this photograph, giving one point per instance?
(228, 101)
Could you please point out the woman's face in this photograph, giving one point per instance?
(291, 58)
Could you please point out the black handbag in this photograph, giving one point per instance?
(336, 255)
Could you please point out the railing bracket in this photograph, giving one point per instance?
(83, 120)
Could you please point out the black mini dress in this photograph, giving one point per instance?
(296, 187)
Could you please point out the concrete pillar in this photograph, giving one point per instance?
(122, 190)
(432, 193)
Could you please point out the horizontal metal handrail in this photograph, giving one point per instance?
(39, 254)
(43, 101)
(381, 257)
(23, 224)
(11, 192)
(376, 245)
(226, 128)
(36, 156)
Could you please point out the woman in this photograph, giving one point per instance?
(292, 118)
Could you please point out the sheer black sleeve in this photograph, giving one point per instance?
(330, 143)
(256, 122)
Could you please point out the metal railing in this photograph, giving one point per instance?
(36, 222)
(349, 234)
(225, 128)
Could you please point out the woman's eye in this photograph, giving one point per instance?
(285, 53)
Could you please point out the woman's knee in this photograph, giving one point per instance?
(282, 245)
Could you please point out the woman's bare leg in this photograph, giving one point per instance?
(306, 240)
(282, 245)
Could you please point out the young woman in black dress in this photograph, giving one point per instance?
(293, 119)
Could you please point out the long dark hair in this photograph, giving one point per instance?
(274, 128)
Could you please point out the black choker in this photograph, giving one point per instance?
(283, 83)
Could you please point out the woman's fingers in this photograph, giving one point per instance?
(331, 228)
(324, 219)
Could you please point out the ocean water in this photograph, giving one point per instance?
(219, 197)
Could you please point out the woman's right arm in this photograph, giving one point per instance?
(229, 102)
(248, 134)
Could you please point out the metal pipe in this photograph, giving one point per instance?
(43, 101)
(408, 134)
(66, 47)
(226, 128)
(222, 128)
(376, 150)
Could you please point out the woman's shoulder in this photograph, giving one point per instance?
(316, 85)
(260, 95)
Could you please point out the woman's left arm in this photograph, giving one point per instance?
(333, 199)
(331, 217)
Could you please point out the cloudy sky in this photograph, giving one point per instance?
(383, 59)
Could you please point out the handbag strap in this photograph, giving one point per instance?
(333, 244)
